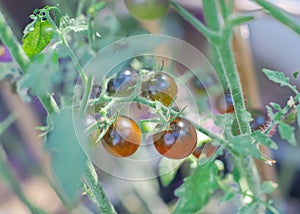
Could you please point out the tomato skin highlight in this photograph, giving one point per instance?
(147, 9)
(123, 137)
(161, 87)
(178, 142)
(123, 84)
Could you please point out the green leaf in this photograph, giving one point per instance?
(295, 74)
(236, 174)
(67, 158)
(275, 106)
(264, 140)
(37, 36)
(196, 190)
(268, 187)
(42, 74)
(244, 145)
(277, 77)
(287, 133)
(167, 170)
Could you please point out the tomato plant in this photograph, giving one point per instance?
(106, 101)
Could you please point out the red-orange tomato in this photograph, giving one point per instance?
(178, 142)
(123, 137)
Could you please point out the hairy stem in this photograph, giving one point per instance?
(72, 55)
(87, 92)
(10, 41)
(13, 45)
(192, 20)
(98, 191)
(228, 75)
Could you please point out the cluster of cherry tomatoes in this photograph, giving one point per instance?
(123, 137)
(178, 139)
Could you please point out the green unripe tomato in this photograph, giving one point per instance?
(147, 9)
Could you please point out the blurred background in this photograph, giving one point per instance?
(263, 43)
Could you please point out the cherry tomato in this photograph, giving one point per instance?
(123, 84)
(123, 137)
(260, 119)
(178, 142)
(161, 87)
(147, 9)
(224, 103)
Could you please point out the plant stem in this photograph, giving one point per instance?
(199, 26)
(87, 92)
(209, 34)
(211, 17)
(224, 9)
(10, 41)
(228, 75)
(71, 53)
(91, 25)
(98, 191)
(10, 179)
(49, 103)
(227, 61)
(80, 7)
(280, 15)
(211, 14)
(8, 38)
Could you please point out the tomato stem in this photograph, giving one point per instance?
(229, 78)
(98, 191)
(8, 38)
(87, 92)
(280, 15)
(72, 55)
